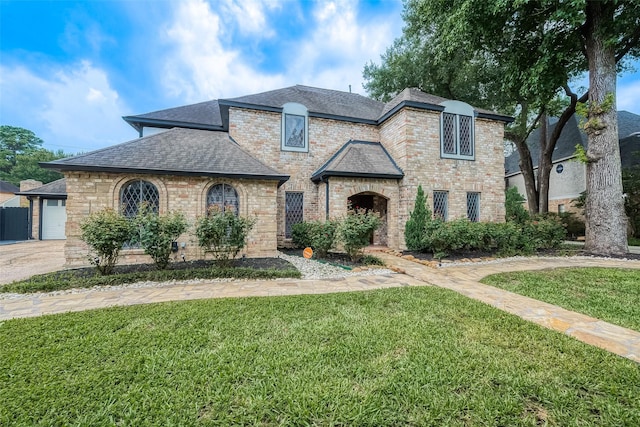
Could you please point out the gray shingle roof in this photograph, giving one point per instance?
(318, 101)
(570, 136)
(55, 188)
(363, 159)
(174, 152)
(203, 114)
(7, 187)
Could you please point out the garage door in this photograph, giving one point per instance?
(54, 217)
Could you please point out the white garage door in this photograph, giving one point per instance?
(54, 217)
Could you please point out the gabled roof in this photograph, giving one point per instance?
(7, 187)
(571, 135)
(319, 102)
(203, 115)
(363, 159)
(174, 152)
(322, 103)
(56, 188)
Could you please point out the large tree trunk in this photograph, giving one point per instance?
(606, 222)
(526, 167)
(544, 167)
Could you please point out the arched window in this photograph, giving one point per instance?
(295, 127)
(134, 193)
(223, 197)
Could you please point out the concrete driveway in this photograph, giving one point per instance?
(24, 259)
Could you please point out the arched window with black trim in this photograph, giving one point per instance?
(136, 193)
(223, 198)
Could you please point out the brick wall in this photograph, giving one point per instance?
(90, 192)
(411, 136)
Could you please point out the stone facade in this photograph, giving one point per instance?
(89, 192)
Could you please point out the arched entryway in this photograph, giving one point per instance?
(376, 203)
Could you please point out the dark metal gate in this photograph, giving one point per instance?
(14, 223)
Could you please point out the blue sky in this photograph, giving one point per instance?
(69, 70)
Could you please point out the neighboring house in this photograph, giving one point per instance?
(47, 208)
(294, 154)
(7, 194)
(568, 177)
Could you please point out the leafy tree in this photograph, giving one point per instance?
(415, 227)
(540, 46)
(27, 166)
(20, 152)
(105, 231)
(13, 142)
(157, 232)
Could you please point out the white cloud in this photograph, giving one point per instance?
(199, 65)
(73, 108)
(202, 62)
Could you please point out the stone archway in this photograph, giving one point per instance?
(377, 203)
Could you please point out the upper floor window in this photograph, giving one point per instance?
(295, 127)
(457, 131)
(135, 193)
(223, 198)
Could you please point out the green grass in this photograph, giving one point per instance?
(404, 356)
(612, 295)
(634, 241)
(70, 279)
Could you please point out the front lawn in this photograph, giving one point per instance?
(609, 294)
(404, 356)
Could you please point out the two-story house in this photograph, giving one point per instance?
(294, 154)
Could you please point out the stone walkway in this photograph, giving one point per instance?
(463, 279)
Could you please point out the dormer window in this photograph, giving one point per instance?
(295, 128)
(457, 133)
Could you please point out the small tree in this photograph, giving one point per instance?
(515, 211)
(415, 227)
(223, 234)
(356, 230)
(157, 232)
(105, 232)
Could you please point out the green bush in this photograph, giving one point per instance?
(301, 234)
(106, 232)
(355, 231)
(223, 234)
(415, 227)
(575, 226)
(157, 232)
(460, 235)
(318, 235)
(514, 208)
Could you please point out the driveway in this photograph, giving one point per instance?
(24, 259)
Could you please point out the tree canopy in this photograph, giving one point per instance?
(20, 152)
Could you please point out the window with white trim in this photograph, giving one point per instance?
(473, 206)
(294, 211)
(440, 204)
(295, 127)
(457, 134)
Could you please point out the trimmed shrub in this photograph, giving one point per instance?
(574, 226)
(318, 235)
(415, 227)
(514, 208)
(157, 232)
(355, 231)
(105, 232)
(223, 234)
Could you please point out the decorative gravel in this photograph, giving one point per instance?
(310, 269)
